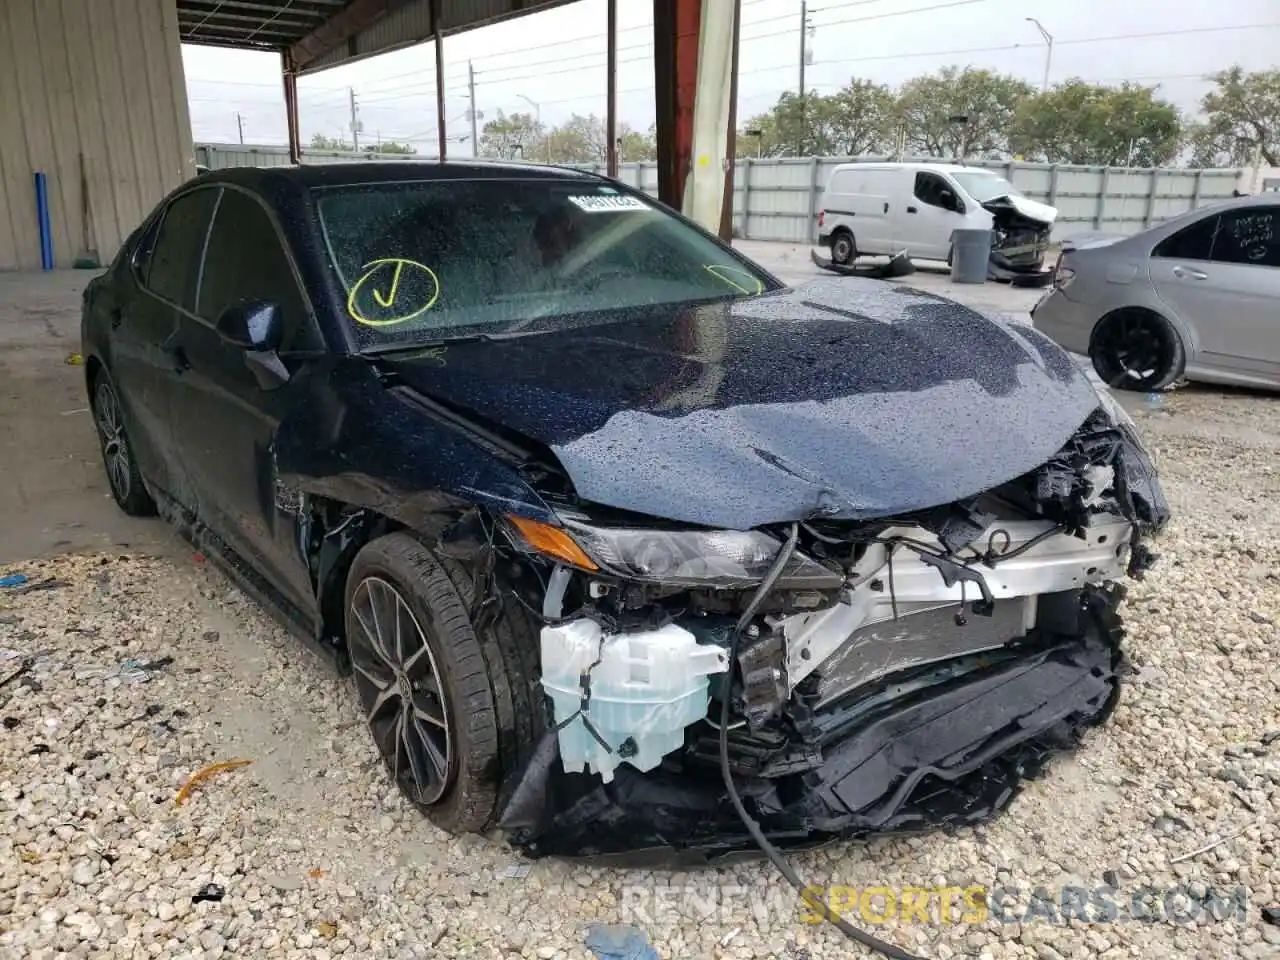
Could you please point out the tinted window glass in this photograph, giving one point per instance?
(246, 261)
(1194, 242)
(427, 260)
(929, 187)
(1249, 235)
(175, 256)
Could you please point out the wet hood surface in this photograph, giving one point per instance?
(844, 398)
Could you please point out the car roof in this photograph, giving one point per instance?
(310, 176)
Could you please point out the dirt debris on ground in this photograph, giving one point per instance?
(309, 852)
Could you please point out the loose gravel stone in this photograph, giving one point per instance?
(318, 857)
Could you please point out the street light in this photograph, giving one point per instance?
(1048, 56)
(537, 118)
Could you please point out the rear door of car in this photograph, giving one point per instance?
(163, 275)
(1221, 275)
(226, 419)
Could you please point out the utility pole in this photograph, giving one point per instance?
(355, 122)
(471, 89)
(1048, 56)
(240, 124)
(804, 40)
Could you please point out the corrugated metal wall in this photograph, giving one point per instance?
(98, 79)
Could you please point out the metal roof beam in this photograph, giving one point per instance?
(341, 27)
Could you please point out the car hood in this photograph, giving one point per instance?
(845, 398)
(1039, 212)
(1092, 241)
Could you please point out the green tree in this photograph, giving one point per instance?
(1242, 122)
(961, 113)
(391, 146)
(861, 118)
(578, 140)
(321, 142)
(501, 136)
(635, 146)
(1078, 122)
(795, 126)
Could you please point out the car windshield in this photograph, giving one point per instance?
(986, 186)
(434, 260)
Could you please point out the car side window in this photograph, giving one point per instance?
(246, 260)
(1248, 235)
(172, 263)
(1193, 242)
(929, 188)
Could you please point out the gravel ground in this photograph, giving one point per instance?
(318, 856)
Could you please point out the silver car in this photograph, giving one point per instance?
(1196, 297)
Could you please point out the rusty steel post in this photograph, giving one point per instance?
(438, 35)
(289, 74)
(611, 98)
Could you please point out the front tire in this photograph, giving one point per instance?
(1136, 349)
(123, 476)
(843, 249)
(437, 696)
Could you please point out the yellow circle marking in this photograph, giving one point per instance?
(722, 272)
(414, 308)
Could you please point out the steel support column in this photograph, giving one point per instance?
(611, 87)
(438, 34)
(695, 81)
(290, 76)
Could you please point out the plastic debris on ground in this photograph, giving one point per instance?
(210, 892)
(13, 580)
(205, 773)
(619, 941)
(74, 360)
(129, 671)
(18, 583)
(514, 871)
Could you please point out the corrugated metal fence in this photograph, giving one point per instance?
(776, 199)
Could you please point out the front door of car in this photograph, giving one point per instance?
(226, 415)
(143, 314)
(930, 217)
(1221, 275)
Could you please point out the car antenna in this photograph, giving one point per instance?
(775, 856)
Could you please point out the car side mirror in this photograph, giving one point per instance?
(948, 200)
(257, 328)
(254, 325)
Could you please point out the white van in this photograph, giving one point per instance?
(879, 209)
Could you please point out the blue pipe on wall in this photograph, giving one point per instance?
(42, 219)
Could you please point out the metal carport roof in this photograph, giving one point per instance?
(325, 33)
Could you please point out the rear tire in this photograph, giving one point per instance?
(453, 711)
(123, 477)
(1136, 349)
(843, 248)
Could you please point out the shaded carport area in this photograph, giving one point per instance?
(101, 112)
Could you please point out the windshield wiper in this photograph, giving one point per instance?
(380, 349)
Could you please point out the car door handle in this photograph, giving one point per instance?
(886, 208)
(1187, 273)
(911, 210)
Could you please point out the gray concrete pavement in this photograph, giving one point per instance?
(53, 491)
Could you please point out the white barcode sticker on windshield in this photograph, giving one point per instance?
(599, 204)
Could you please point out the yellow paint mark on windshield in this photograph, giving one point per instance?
(411, 289)
(741, 280)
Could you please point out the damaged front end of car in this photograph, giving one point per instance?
(895, 674)
(1021, 231)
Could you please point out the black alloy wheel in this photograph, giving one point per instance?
(401, 690)
(126, 483)
(1136, 350)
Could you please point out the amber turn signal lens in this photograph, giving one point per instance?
(552, 542)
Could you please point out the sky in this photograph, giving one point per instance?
(556, 59)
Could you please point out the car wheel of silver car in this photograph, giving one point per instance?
(1136, 350)
(440, 698)
(125, 480)
(843, 249)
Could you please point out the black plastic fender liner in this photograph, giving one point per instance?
(957, 754)
(899, 265)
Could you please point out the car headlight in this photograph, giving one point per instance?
(694, 558)
(1106, 399)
